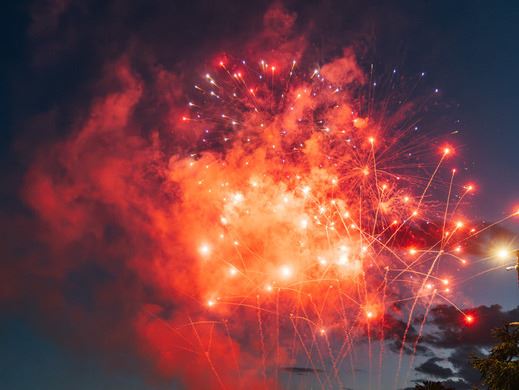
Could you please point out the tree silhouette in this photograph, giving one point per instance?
(429, 385)
(500, 370)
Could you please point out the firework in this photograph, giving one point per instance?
(317, 217)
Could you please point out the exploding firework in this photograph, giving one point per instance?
(314, 212)
(302, 225)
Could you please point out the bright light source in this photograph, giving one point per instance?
(204, 249)
(343, 259)
(237, 197)
(469, 319)
(286, 271)
(503, 254)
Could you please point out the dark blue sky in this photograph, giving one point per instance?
(468, 49)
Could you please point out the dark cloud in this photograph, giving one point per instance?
(453, 332)
(394, 330)
(301, 370)
(432, 368)
(449, 384)
(460, 360)
(447, 332)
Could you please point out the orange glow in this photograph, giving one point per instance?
(447, 150)
(204, 249)
(504, 253)
(360, 123)
(286, 271)
(275, 214)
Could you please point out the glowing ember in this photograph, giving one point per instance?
(469, 319)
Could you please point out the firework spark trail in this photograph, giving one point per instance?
(445, 153)
(370, 357)
(207, 356)
(347, 347)
(346, 344)
(262, 342)
(294, 338)
(322, 331)
(419, 335)
(233, 352)
(314, 344)
(412, 310)
(501, 266)
(277, 336)
(489, 226)
(309, 357)
(433, 264)
(334, 362)
(382, 324)
(447, 209)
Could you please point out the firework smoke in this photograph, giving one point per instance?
(288, 220)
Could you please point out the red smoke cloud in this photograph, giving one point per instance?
(108, 208)
(180, 242)
(104, 202)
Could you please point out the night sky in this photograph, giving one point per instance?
(54, 65)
